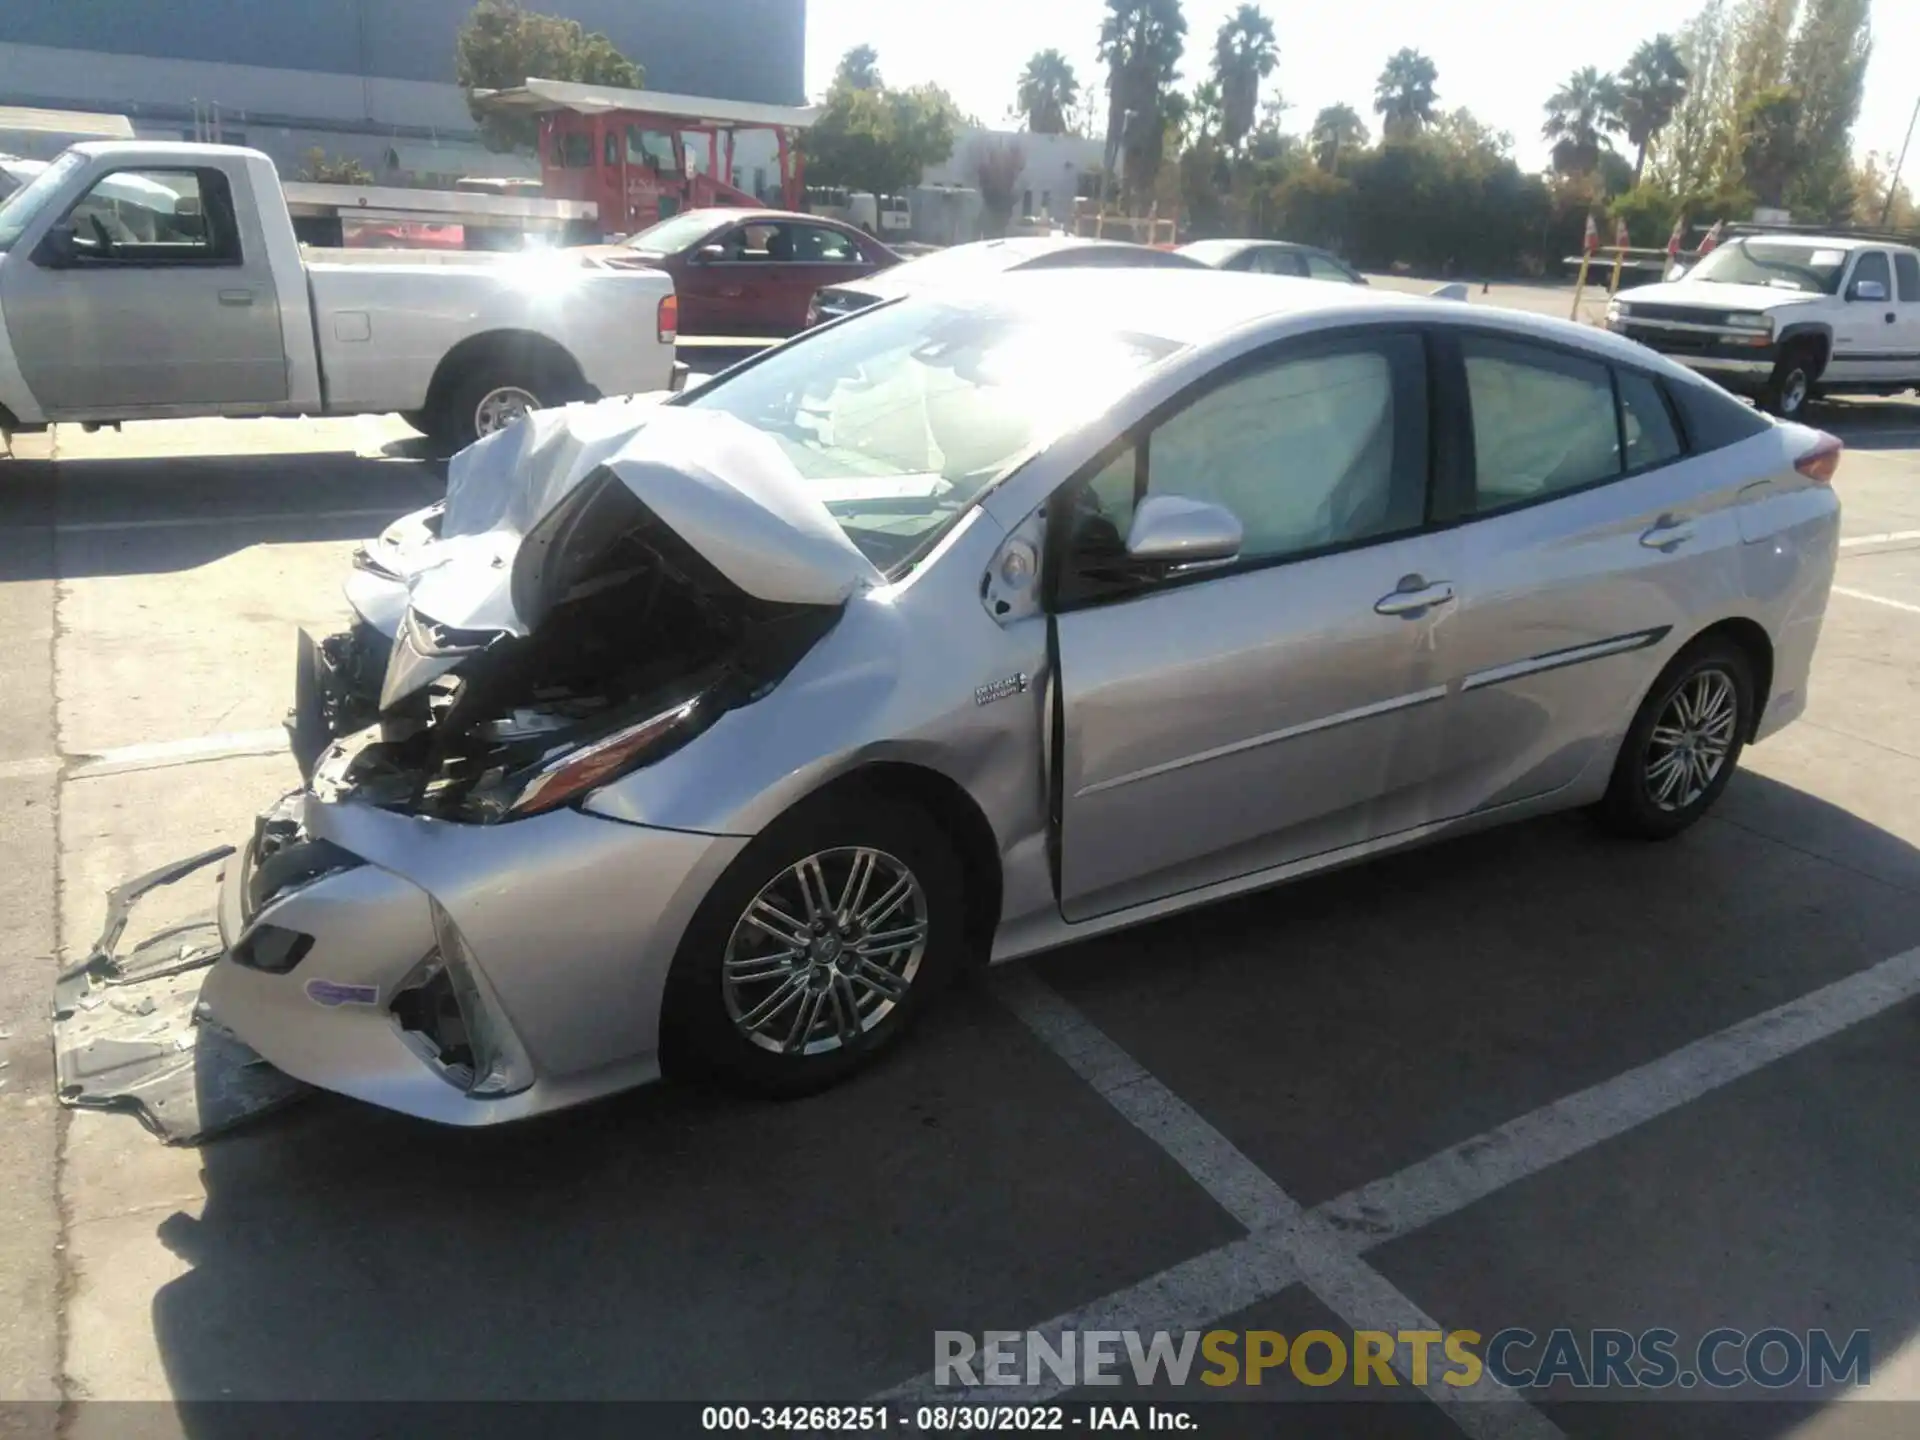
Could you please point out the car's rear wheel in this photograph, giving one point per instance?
(816, 949)
(493, 390)
(1684, 743)
(1791, 385)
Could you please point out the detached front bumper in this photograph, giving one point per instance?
(558, 930)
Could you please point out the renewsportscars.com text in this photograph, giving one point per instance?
(1601, 1359)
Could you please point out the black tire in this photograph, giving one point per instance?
(1790, 387)
(700, 1038)
(1632, 807)
(419, 420)
(453, 421)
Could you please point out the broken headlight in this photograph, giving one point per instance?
(449, 1014)
(564, 776)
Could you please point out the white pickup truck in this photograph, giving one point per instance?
(158, 280)
(1788, 317)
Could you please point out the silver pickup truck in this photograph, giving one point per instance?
(160, 280)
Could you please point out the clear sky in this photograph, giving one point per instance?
(1499, 58)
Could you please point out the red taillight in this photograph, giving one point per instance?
(669, 319)
(1819, 463)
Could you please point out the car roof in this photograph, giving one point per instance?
(960, 264)
(1824, 242)
(1200, 307)
(1226, 249)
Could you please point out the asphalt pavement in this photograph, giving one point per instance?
(1533, 1078)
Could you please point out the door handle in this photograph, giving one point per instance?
(1414, 597)
(236, 297)
(1668, 534)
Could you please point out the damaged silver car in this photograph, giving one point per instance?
(716, 734)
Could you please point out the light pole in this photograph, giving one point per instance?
(1893, 182)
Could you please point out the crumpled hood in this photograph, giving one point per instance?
(1711, 295)
(724, 488)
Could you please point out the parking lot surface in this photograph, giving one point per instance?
(1532, 1078)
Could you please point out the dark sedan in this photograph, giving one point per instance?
(748, 272)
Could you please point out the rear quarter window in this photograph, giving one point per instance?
(1713, 418)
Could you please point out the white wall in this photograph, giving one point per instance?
(1052, 171)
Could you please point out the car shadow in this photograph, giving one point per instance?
(674, 1243)
(1869, 425)
(158, 514)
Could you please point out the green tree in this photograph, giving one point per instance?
(1697, 149)
(1580, 115)
(1826, 68)
(1403, 96)
(1048, 92)
(1336, 129)
(860, 68)
(320, 168)
(1770, 151)
(1244, 53)
(1141, 42)
(879, 140)
(1651, 89)
(501, 46)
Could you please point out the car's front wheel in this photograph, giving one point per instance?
(1790, 385)
(1682, 747)
(817, 948)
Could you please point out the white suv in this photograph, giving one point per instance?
(1785, 317)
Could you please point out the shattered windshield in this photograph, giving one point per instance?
(901, 417)
(1814, 269)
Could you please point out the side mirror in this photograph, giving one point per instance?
(708, 254)
(56, 250)
(1171, 530)
(1871, 290)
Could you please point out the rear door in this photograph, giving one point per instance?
(1226, 720)
(1591, 541)
(167, 305)
(1906, 275)
(812, 257)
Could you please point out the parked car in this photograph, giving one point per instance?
(748, 272)
(1788, 318)
(143, 280)
(1274, 257)
(717, 734)
(978, 259)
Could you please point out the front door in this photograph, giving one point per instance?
(1866, 332)
(161, 307)
(1286, 703)
(1581, 564)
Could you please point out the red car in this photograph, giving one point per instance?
(748, 272)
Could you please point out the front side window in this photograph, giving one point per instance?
(1311, 452)
(1543, 422)
(155, 217)
(1871, 268)
(899, 420)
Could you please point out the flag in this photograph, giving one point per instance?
(1593, 236)
(1712, 237)
(1674, 240)
(1620, 237)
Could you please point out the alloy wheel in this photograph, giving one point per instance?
(1793, 392)
(1691, 739)
(825, 952)
(500, 407)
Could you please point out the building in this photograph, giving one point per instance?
(366, 79)
(1053, 168)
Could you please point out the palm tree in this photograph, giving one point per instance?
(1141, 42)
(1403, 95)
(1204, 115)
(1048, 90)
(1244, 54)
(1580, 114)
(859, 68)
(1651, 89)
(1335, 128)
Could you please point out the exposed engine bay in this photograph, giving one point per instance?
(634, 643)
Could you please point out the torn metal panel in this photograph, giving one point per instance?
(129, 1034)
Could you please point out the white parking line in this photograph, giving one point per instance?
(1887, 537)
(1235, 1276)
(1877, 599)
(1325, 1260)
